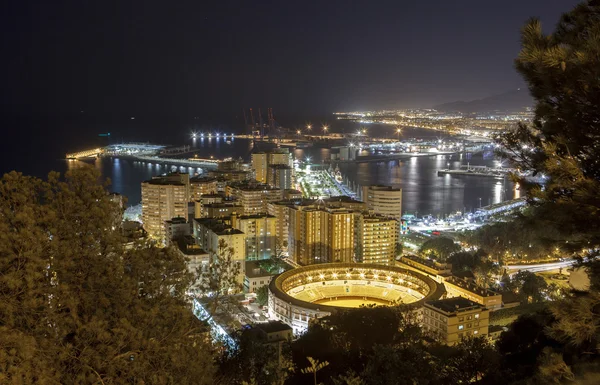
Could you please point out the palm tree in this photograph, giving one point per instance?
(314, 367)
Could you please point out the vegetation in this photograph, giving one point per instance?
(76, 307)
(222, 277)
(262, 295)
(439, 248)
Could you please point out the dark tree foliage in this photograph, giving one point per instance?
(76, 307)
(529, 286)
(563, 144)
(439, 248)
(256, 360)
(262, 295)
(563, 73)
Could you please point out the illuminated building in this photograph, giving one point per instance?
(321, 235)
(221, 210)
(230, 175)
(208, 232)
(434, 268)
(256, 277)
(453, 319)
(254, 197)
(281, 211)
(384, 200)
(262, 160)
(205, 199)
(280, 176)
(164, 198)
(201, 186)
(458, 287)
(376, 239)
(260, 233)
(299, 295)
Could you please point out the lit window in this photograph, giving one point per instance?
(476, 315)
(461, 327)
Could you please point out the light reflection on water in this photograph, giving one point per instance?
(424, 192)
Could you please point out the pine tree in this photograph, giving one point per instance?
(77, 308)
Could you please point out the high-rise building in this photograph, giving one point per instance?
(260, 232)
(453, 319)
(201, 186)
(164, 198)
(262, 160)
(384, 200)
(254, 197)
(321, 235)
(280, 176)
(281, 211)
(376, 239)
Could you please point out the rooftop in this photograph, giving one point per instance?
(273, 327)
(254, 270)
(453, 305)
(202, 179)
(256, 216)
(426, 262)
(473, 288)
(380, 187)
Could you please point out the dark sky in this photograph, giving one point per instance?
(212, 58)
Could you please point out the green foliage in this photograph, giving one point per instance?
(256, 360)
(222, 277)
(399, 249)
(79, 309)
(506, 316)
(439, 248)
(262, 295)
(529, 286)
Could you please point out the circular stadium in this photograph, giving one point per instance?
(312, 291)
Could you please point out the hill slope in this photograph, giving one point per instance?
(516, 100)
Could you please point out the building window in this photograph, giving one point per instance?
(461, 327)
(469, 318)
(475, 331)
(461, 319)
(476, 316)
(469, 326)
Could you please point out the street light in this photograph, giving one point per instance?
(308, 127)
(325, 128)
(398, 131)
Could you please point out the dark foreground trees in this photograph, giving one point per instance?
(75, 307)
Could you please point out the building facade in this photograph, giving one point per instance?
(321, 235)
(262, 160)
(201, 186)
(453, 319)
(376, 239)
(280, 176)
(384, 200)
(164, 198)
(458, 287)
(260, 231)
(254, 197)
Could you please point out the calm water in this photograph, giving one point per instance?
(424, 191)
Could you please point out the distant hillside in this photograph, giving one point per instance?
(516, 100)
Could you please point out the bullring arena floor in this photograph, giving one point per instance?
(354, 293)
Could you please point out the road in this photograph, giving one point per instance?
(540, 267)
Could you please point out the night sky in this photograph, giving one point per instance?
(212, 58)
